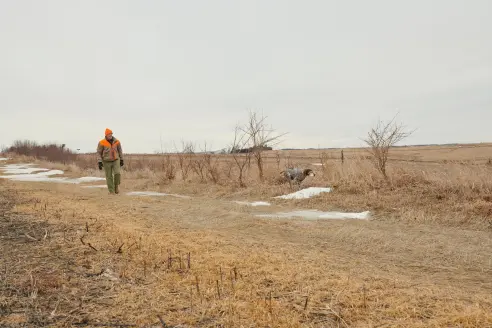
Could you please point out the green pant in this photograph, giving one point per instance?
(112, 168)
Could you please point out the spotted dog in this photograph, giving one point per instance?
(296, 175)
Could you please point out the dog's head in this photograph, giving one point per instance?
(309, 172)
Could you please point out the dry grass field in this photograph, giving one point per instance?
(78, 257)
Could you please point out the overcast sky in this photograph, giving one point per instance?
(324, 71)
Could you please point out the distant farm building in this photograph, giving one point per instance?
(251, 149)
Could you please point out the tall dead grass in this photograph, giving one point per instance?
(86, 270)
(451, 192)
(355, 175)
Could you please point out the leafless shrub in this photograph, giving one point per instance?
(185, 157)
(211, 165)
(260, 138)
(380, 139)
(241, 140)
(228, 169)
(168, 167)
(198, 166)
(49, 152)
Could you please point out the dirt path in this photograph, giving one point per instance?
(353, 273)
(444, 254)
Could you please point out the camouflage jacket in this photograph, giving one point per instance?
(109, 150)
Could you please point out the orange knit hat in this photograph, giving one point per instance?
(108, 131)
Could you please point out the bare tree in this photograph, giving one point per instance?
(198, 166)
(167, 164)
(260, 137)
(241, 141)
(229, 167)
(211, 164)
(185, 158)
(169, 167)
(381, 138)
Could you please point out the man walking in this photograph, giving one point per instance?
(111, 158)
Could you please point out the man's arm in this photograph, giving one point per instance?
(99, 151)
(120, 150)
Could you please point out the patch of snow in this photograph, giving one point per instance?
(59, 180)
(305, 193)
(36, 177)
(317, 164)
(90, 179)
(47, 173)
(153, 193)
(341, 215)
(26, 170)
(17, 166)
(45, 176)
(95, 186)
(29, 178)
(4, 159)
(259, 203)
(315, 214)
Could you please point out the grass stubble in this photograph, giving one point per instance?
(75, 257)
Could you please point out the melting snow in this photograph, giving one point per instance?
(305, 193)
(153, 193)
(253, 203)
(40, 176)
(95, 186)
(19, 165)
(24, 172)
(315, 214)
(16, 166)
(27, 170)
(90, 179)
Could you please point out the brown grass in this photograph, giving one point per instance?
(447, 184)
(70, 261)
(74, 255)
